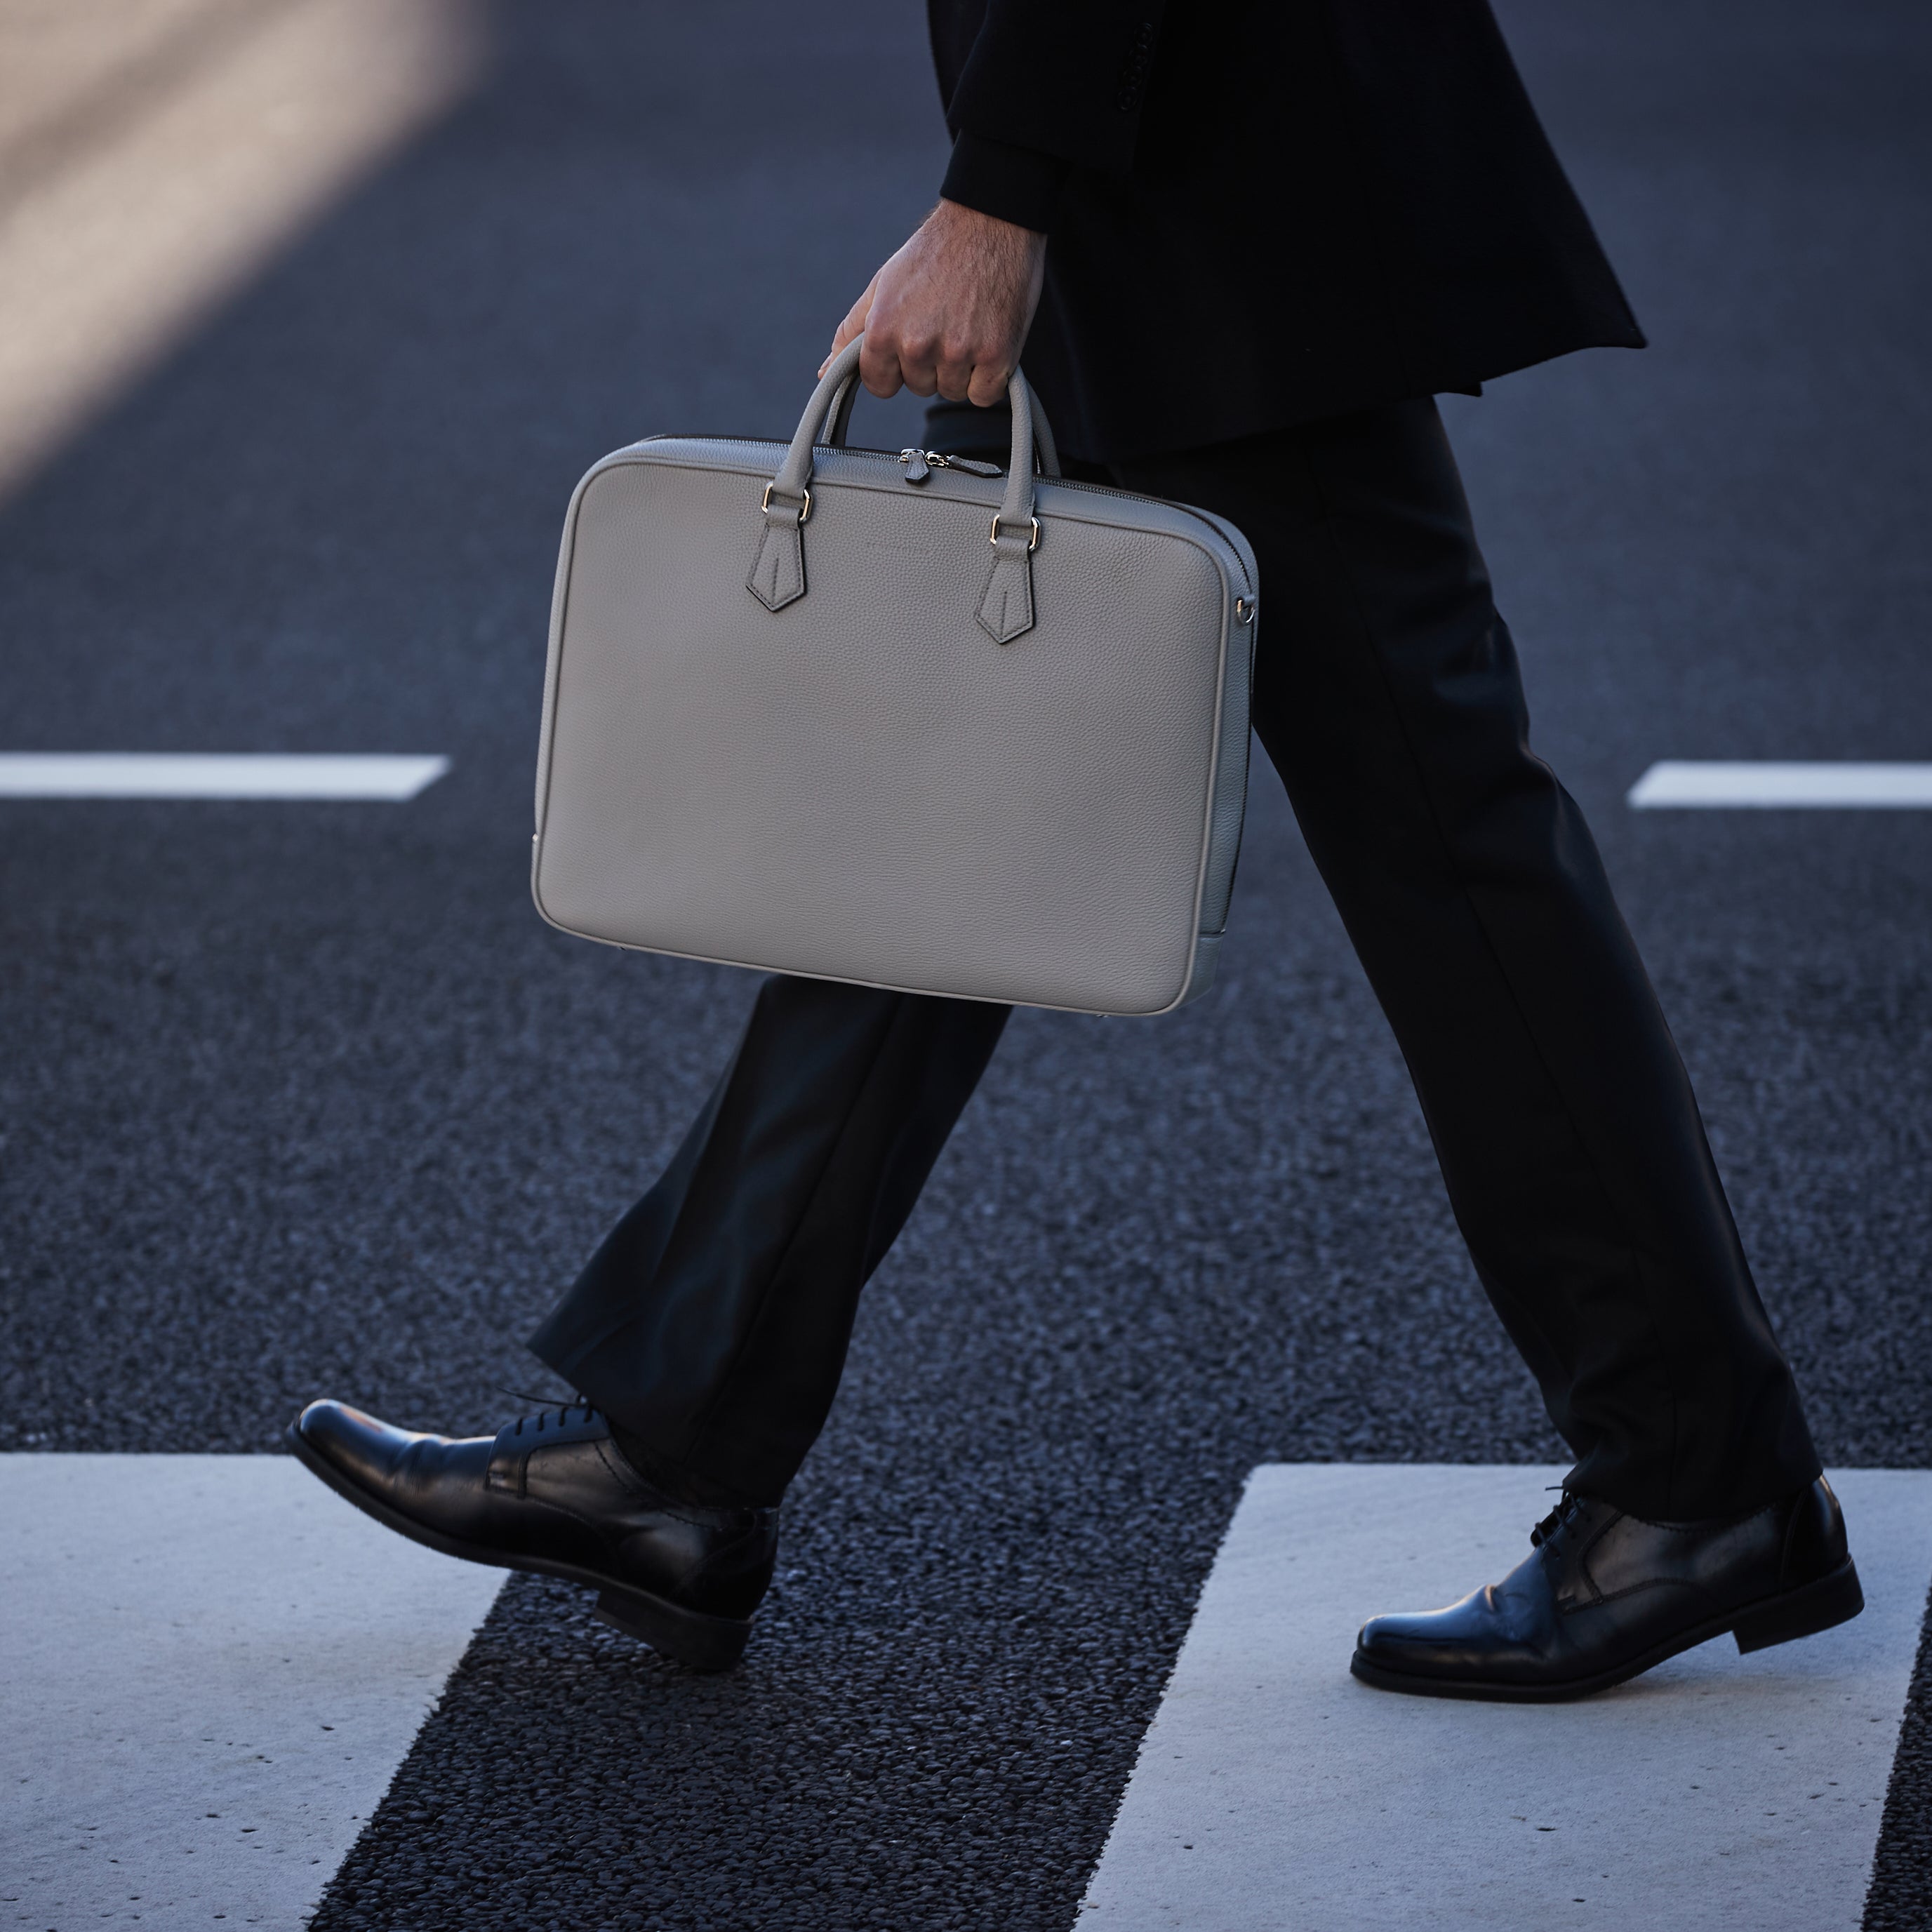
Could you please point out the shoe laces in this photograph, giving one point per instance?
(550, 1407)
(1560, 1518)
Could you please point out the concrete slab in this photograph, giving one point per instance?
(213, 1666)
(1273, 1793)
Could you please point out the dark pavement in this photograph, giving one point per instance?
(300, 1099)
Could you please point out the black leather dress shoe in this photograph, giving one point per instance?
(1604, 1595)
(551, 1492)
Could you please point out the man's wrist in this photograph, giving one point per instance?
(1015, 185)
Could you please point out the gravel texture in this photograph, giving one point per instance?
(1897, 1900)
(303, 1099)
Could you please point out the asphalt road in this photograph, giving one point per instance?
(304, 1099)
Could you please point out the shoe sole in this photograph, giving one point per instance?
(1834, 1598)
(689, 1637)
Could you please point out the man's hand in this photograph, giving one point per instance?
(950, 311)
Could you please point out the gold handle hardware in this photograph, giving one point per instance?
(804, 515)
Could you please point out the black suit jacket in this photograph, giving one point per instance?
(1266, 211)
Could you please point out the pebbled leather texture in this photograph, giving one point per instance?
(553, 1487)
(1005, 606)
(778, 570)
(1604, 1595)
(859, 783)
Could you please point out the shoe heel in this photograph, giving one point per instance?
(686, 1637)
(1835, 1598)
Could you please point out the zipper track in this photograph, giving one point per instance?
(888, 456)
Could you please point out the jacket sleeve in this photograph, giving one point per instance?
(1049, 85)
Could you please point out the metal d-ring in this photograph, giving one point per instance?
(1032, 543)
(804, 515)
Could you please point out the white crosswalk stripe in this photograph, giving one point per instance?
(1718, 784)
(260, 775)
(214, 1666)
(1274, 1793)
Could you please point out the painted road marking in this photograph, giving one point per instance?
(1677, 782)
(1273, 1792)
(214, 1666)
(224, 774)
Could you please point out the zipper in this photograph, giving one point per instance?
(920, 463)
(930, 460)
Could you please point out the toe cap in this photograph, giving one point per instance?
(363, 1447)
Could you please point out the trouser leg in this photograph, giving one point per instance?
(1388, 697)
(712, 1322)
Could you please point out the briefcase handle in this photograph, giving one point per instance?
(838, 424)
(777, 576)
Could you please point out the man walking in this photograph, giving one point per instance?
(1243, 245)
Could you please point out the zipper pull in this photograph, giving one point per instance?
(920, 463)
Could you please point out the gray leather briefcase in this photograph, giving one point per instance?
(896, 720)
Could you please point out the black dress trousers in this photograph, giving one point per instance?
(713, 1321)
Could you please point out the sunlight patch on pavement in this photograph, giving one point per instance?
(155, 153)
(214, 1667)
(1678, 783)
(264, 775)
(1273, 1792)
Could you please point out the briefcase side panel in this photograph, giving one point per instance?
(559, 596)
(1230, 793)
(659, 826)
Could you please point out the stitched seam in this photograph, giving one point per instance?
(661, 1504)
(516, 1465)
(1327, 523)
(600, 1525)
(1705, 1528)
(1633, 1589)
(1597, 1536)
(709, 1563)
(1784, 1550)
(563, 1510)
(1679, 1529)
(627, 458)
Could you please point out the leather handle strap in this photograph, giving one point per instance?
(777, 576)
(1043, 442)
(838, 418)
(1006, 604)
(837, 426)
